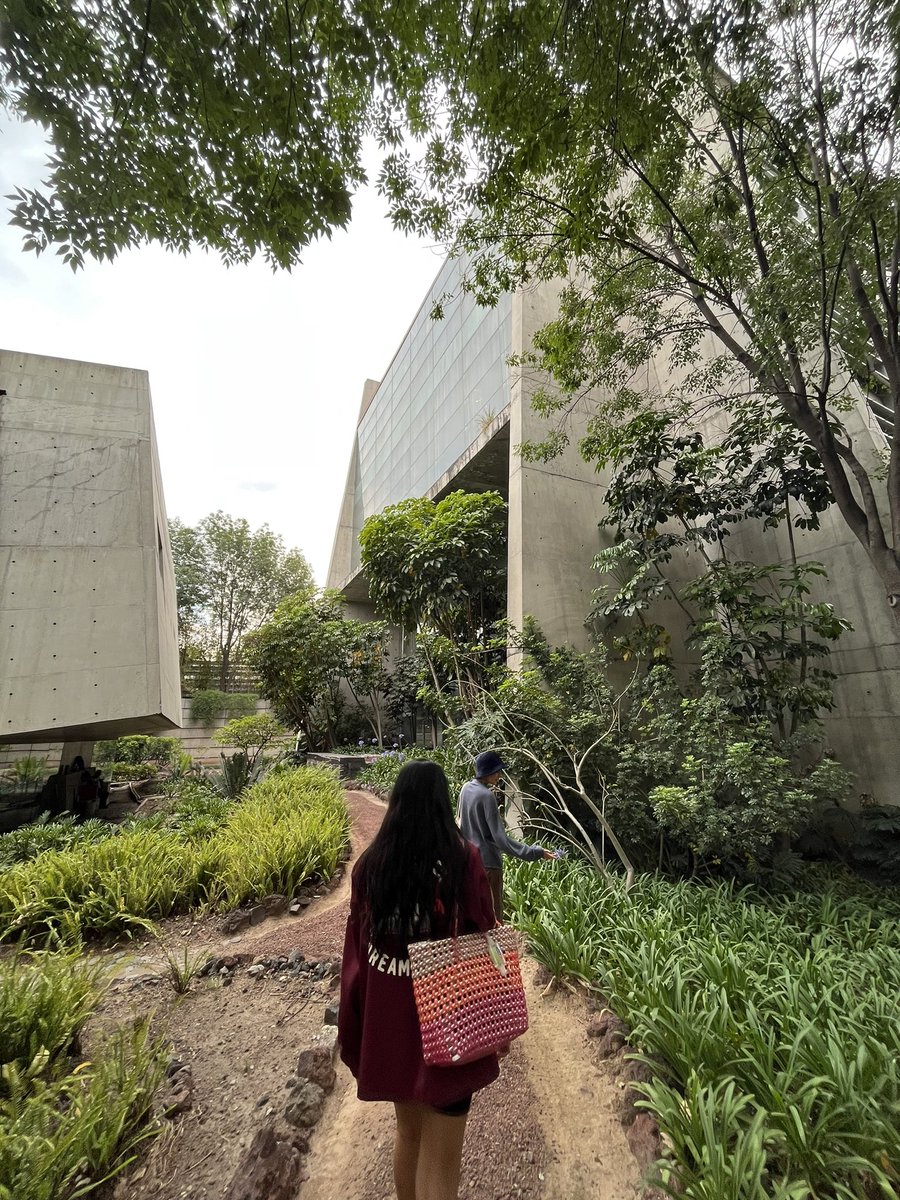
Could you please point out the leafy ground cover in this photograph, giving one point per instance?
(379, 776)
(67, 1121)
(771, 1022)
(204, 851)
(28, 841)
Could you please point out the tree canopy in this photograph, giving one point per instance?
(229, 580)
(719, 185)
(718, 181)
(236, 126)
(304, 654)
(438, 570)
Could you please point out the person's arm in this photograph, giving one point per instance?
(502, 839)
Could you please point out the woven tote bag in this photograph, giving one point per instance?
(469, 995)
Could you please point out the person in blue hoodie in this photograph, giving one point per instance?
(478, 814)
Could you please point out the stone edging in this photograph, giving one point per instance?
(642, 1131)
(272, 1167)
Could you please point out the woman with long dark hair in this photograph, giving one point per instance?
(419, 879)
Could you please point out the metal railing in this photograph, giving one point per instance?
(200, 676)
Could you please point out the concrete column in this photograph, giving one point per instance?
(554, 507)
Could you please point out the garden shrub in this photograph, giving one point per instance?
(717, 783)
(770, 1021)
(62, 833)
(208, 852)
(137, 749)
(127, 772)
(235, 775)
(286, 829)
(380, 775)
(67, 1125)
(196, 814)
(253, 735)
(116, 886)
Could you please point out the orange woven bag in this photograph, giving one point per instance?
(469, 995)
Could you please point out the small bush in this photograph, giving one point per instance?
(252, 734)
(137, 749)
(380, 776)
(208, 705)
(66, 1125)
(235, 775)
(123, 772)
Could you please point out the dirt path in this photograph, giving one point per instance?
(546, 1130)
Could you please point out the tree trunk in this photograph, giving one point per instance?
(888, 568)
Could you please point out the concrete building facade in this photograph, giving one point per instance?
(450, 413)
(88, 625)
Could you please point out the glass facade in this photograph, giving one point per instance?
(445, 379)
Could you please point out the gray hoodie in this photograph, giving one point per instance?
(479, 821)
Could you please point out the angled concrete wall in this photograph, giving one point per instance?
(88, 628)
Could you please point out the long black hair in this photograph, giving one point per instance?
(416, 865)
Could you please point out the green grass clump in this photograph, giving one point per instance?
(44, 1001)
(67, 1123)
(772, 1022)
(117, 886)
(62, 833)
(291, 826)
(212, 853)
(196, 814)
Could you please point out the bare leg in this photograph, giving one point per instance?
(440, 1156)
(406, 1149)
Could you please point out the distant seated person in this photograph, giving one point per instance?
(87, 796)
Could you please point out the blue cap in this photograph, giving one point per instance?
(487, 763)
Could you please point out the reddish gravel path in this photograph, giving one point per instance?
(505, 1152)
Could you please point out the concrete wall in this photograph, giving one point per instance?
(554, 507)
(88, 630)
(340, 567)
(864, 726)
(196, 737)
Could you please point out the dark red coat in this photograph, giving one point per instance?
(378, 1025)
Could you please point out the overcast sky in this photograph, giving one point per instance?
(256, 377)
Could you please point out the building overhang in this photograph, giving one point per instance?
(92, 731)
(483, 467)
